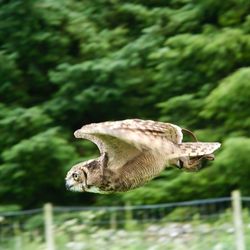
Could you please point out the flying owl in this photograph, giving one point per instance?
(132, 152)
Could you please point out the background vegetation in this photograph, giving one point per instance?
(67, 63)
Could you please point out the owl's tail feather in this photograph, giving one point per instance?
(192, 154)
(193, 149)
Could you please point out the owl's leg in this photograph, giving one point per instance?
(190, 164)
(209, 157)
(195, 163)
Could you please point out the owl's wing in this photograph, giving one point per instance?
(124, 140)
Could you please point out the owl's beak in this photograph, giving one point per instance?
(69, 183)
(68, 186)
(72, 186)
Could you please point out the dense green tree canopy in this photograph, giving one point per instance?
(67, 63)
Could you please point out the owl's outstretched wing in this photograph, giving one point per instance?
(124, 140)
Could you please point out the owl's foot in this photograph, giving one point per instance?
(194, 164)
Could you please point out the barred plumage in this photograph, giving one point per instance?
(133, 152)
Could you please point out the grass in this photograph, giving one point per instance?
(82, 231)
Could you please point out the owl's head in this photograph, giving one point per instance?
(84, 176)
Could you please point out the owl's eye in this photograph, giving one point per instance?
(75, 176)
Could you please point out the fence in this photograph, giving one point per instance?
(215, 224)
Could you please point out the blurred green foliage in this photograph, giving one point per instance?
(67, 63)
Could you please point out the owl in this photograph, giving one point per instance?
(132, 152)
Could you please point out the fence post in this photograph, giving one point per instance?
(18, 240)
(129, 221)
(113, 220)
(48, 219)
(237, 218)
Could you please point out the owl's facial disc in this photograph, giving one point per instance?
(84, 177)
(76, 179)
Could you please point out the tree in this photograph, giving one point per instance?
(67, 63)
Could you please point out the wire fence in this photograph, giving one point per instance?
(213, 224)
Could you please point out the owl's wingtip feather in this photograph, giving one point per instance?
(77, 133)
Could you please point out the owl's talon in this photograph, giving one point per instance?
(180, 164)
